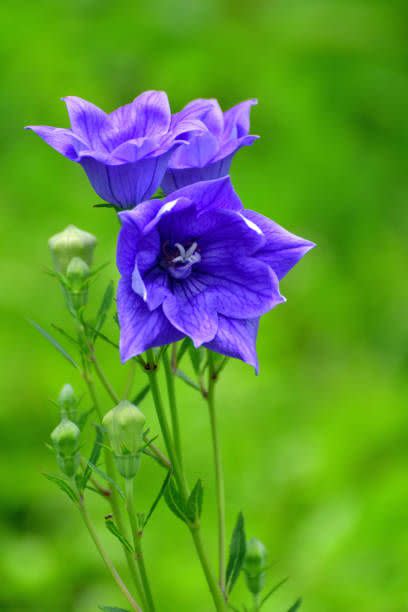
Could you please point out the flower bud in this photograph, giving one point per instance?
(77, 276)
(65, 439)
(124, 425)
(68, 403)
(255, 565)
(70, 243)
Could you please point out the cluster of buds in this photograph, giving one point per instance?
(65, 440)
(124, 425)
(255, 565)
(72, 253)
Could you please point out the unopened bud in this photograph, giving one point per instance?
(68, 403)
(70, 243)
(125, 424)
(255, 565)
(65, 439)
(77, 276)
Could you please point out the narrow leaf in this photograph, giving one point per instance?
(196, 356)
(195, 502)
(141, 395)
(183, 349)
(63, 485)
(272, 591)
(54, 343)
(158, 498)
(236, 554)
(98, 334)
(107, 478)
(65, 334)
(93, 459)
(174, 501)
(296, 605)
(112, 527)
(187, 379)
(110, 609)
(106, 303)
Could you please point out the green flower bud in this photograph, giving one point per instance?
(65, 439)
(68, 403)
(255, 565)
(77, 276)
(125, 424)
(70, 243)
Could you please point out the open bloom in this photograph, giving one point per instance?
(198, 264)
(209, 153)
(124, 153)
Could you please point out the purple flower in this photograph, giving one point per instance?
(209, 154)
(198, 264)
(124, 153)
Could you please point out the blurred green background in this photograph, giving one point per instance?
(316, 447)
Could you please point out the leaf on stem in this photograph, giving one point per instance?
(195, 502)
(110, 609)
(93, 459)
(107, 478)
(141, 395)
(106, 303)
(174, 501)
(180, 374)
(236, 554)
(63, 485)
(83, 417)
(54, 343)
(113, 528)
(272, 591)
(296, 605)
(158, 498)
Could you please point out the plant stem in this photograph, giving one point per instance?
(130, 380)
(137, 541)
(106, 559)
(173, 408)
(219, 478)
(105, 382)
(217, 595)
(114, 497)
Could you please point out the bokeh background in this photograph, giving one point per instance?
(316, 447)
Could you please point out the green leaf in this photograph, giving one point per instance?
(106, 303)
(183, 349)
(197, 357)
(272, 591)
(141, 395)
(112, 527)
(110, 609)
(180, 374)
(65, 334)
(236, 554)
(296, 605)
(158, 498)
(93, 459)
(102, 336)
(174, 501)
(63, 485)
(107, 478)
(195, 502)
(54, 343)
(83, 417)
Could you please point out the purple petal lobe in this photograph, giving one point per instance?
(236, 338)
(192, 313)
(141, 329)
(236, 119)
(62, 140)
(282, 249)
(210, 195)
(148, 115)
(87, 121)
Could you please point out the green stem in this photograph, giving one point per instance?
(130, 379)
(215, 591)
(217, 595)
(106, 559)
(219, 478)
(137, 541)
(173, 408)
(114, 496)
(105, 382)
(257, 602)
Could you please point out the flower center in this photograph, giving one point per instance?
(178, 260)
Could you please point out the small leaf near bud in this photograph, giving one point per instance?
(65, 439)
(255, 565)
(68, 403)
(71, 242)
(125, 424)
